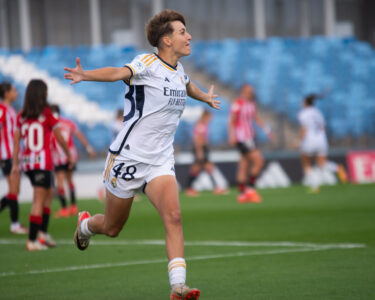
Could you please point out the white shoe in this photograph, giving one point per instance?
(80, 239)
(35, 246)
(183, 292)
(18, 229)
(46, 239)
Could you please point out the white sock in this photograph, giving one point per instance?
(85, 228)
(177, 271)
(15, 225)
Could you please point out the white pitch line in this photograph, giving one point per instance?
(155, 261)
(196, 243)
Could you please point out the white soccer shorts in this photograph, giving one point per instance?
(314, 146)
(124, 177)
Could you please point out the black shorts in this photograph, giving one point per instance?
(205, 155)
(40, 178)
(246, 147)
(64, 167)
(6, 166)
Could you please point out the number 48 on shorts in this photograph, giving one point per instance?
(126, 173)
(123, 177)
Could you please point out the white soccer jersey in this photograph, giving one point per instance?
(154, 101)
(315, 139)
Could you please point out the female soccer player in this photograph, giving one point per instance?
(142, 154)
(241, 133)
(201, 153)
(7, 125)
(62, 172)
(314, 143)
(35, 123)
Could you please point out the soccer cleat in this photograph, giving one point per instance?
(250, 195)
(63, 212)
(242, 198)
(18, 229)
(73, 210)
(35, 246)
(81, 240)
(253, 196)
(184, 292)
(191, 193)
(46, 239)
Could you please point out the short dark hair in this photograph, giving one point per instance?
(35, 99)
(4, 87)
(310, 99)
(160, 25)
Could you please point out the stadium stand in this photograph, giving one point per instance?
(282, 70)
(92, 105)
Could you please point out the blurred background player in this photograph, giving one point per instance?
(201, 155)
(8, 115)
(34, 127)
(241, 133)
(313, 143)
(62, 172)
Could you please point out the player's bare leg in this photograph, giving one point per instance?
(257, 161)
(309, 179)
(40, 195)
(115, 216)
(44, 237)
(63, 212)
(163, 194)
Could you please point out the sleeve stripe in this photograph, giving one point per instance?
(150, 62)
(146, 57)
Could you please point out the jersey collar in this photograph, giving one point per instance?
(174, 68)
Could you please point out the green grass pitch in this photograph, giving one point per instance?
(293, 245)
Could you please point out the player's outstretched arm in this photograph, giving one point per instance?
(60, 139)
(209, 97)
(78, 74)
(90, 150)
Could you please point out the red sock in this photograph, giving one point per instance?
(241, 186)
(35, 224)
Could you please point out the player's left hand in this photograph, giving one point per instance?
(212, 98)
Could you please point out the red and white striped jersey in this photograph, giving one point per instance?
(67, 129)
(7, 127)
(243, 112)
(36, 140)
(200, 130)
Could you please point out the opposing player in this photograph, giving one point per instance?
(314, 144)
(201, 153)
(63, 174)
(241, 133)
(35, 124)
(8, 94)
(142, 154)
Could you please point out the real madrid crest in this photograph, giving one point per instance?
(114, 182)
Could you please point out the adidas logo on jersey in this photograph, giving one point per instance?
(166, 79)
